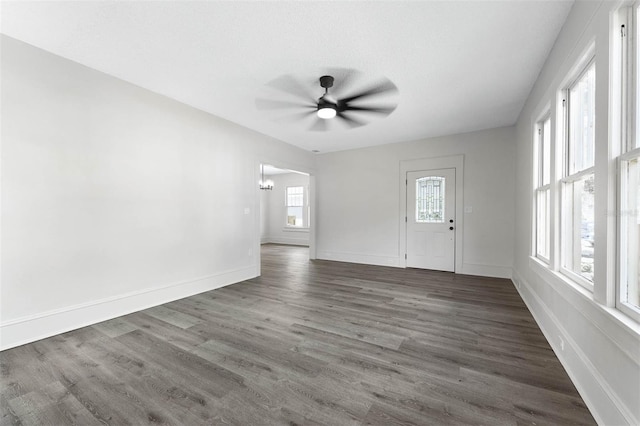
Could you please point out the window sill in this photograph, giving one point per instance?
(555, 277)
(296, 229)
(566, 287)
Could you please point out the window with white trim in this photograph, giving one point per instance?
(542, 192)
(577, 226)
(628, 290)
(297, 212)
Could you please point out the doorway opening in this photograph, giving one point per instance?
(287, 208)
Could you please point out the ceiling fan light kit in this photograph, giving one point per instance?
(326, 110)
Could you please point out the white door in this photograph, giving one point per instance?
(431, 228)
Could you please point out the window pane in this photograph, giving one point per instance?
(295, 196)
(582, 116)
(542, 223)
(578, 226)
(546, 152)
(430, 199)
(637, 60)
(294, 216)
(631, 231)
(295, 206)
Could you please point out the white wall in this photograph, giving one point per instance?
(264, 217)
(275, 211)
(114, 198)
(599, 347)
(359, 193)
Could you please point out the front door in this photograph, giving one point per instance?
(431, 227)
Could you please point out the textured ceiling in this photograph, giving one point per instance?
(459, 66)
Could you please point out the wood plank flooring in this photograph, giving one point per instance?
(318, 343)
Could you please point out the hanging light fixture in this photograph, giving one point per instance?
(265, 184)
(326, 107)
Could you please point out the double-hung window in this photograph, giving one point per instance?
(297, 215)
(628, 293)
(542, 193)
(577, 223)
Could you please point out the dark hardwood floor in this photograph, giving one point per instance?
(306, 343)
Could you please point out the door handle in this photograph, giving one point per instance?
(451, 228)
(450, 220)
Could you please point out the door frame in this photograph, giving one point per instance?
(447, 162)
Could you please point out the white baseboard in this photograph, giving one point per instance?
(35, 327)
(366, 259)
(286, 240)
(486, 270)
(602, 401)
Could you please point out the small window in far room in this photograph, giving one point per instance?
(295, 206)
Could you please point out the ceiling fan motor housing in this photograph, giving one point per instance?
(326, 81)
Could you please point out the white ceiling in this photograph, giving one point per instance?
(459, 66)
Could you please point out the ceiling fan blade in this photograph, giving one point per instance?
(376, 89)
(290, 118)
(350, 121)
(320, 125)
(289, 84)
(343, 78)
(263, 104)
(378, 110)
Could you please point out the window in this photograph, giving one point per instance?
(629, 167)
(542, 196)
(629, 218)
(577, 226)
(296, 206)
(430, 199)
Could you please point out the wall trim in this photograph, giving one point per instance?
(483, 270)
(292, 241)
(620, 329)
(31, 328)
(480, 270)
(367, 259)
(602, 401)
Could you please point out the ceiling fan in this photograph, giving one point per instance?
(349, 109)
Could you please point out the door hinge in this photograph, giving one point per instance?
(623, 31)
(405, 256)
(405, 219)
(406, 182)
(539, 131)
(564, 103)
